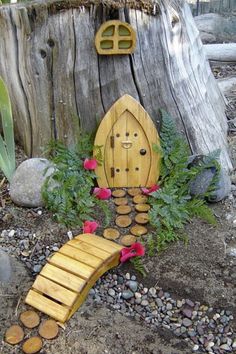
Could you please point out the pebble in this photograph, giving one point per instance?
(127, 294)
(112, 292)
(195, 347)
(11, 233)
(187, 322)
(37, 268)
(133, 285)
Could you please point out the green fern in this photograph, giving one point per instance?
(151, 245)
(172, 206)
(67, 192)
(138, 265)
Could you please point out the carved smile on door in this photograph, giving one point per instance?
(126, 134)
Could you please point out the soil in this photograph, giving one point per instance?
(201, 270)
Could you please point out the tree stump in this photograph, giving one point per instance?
(59, 84)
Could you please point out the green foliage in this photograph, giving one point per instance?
(172, 206)
(138, 265)
(67, 193)
(7, 143)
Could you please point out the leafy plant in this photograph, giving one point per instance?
(7, 143)
(138, 265)
(172, 205)
(67, 192)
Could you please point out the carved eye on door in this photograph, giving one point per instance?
(143, 152)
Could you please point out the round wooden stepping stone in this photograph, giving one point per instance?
(30, 319)
(134, 191)
(142, 218)
(111, 234)
(123, 209)
(118, 193)
(140, 199)
(14, 334)
(48, 329)
(128, 240)
(32, 345)
(142, 207)
(138, 230)
(121, 201)
(123, 221)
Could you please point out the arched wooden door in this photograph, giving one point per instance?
(126, 135)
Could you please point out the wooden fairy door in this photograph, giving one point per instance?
(126, 135)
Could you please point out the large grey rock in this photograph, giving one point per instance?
(215, 28)
(27, 182)
(202, 182)
(5, 267)
(223, 187)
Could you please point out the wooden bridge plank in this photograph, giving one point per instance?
(81, 256)
(100, 242)
(62, 277)
(93, 250)
(55, 291)
(47, 306)
(71, 265)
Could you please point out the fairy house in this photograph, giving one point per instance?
(62, 81)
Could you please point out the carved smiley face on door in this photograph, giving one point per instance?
(127, 134)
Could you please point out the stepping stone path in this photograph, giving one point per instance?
(130, 218)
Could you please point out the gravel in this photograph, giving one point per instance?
(208, 330)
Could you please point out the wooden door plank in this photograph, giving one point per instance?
(62, 277)
(55, 291)
(100, 242)
(91, 249)
(47, 306)
(139, 165)
(71, 265)
(81, 256)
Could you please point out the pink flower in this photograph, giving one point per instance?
(90, 164)
(102, 193)
(89, 227)
(137, 249)
(152, 189)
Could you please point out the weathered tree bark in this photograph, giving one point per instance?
(221, 52)
(58, 83)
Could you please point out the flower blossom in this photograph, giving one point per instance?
(150, 190)
(90, 164)
(89, 227)
(137, 249)
(102, 193)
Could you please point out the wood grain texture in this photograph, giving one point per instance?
(58, 83)
(65, 281)
(131, 130)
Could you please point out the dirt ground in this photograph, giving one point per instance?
(201, 270)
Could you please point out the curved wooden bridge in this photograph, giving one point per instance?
(64, 282)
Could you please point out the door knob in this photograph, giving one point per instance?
(143, 152)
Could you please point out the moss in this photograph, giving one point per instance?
(54, 6)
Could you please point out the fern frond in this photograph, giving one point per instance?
(138, 265)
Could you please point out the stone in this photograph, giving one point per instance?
(202, 181)
(127, 294)
(27, 182)
(112, 292)
(37, 268)
(226, 347)
(133, 285)
(223, 187)
(195, 347)
(187, 312)
(5, 267)
(152, 292)
(144, 303)
(187, 322)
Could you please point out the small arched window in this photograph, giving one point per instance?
(115, 37)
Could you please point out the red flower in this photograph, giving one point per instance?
(89, 227)
(102, 193)
(90, 164)
(152, 189)
(137, 249)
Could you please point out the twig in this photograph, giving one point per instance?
(91, 333)
(2, 182)
(18, 304)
